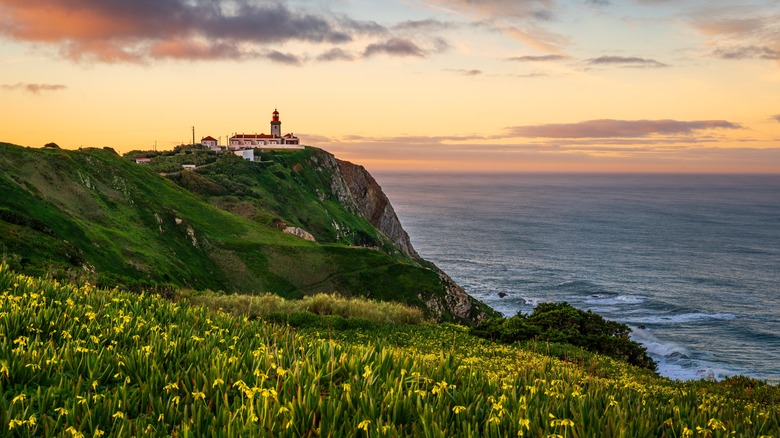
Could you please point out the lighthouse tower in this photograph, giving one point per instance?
(276, 125)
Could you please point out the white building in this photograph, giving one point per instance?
(247, 154)
(274, 140)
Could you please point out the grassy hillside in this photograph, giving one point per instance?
(285, 187)
(94, 214)
(78, 361)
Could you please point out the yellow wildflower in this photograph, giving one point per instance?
(75, 433)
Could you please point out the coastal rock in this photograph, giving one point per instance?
(295, 231)
(459, 302)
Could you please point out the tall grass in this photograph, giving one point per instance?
(262, 306)
(77, 362)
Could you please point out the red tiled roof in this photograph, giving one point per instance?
(209, 138)
(247, 136)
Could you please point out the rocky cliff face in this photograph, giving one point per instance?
(359, 191)
(372, 203)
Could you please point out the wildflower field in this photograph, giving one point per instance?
(78, 361)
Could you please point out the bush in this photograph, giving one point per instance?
(562, 323)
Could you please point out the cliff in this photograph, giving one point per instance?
(295, 223)
(370, 201)
(368, 198)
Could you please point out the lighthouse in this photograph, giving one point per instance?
(276, 125)
(274, 140)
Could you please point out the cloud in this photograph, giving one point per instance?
(534, 9)
(535, 74)
(728, 26)
(776, 118)
(187, 49)
(754, 35)
(626, 61)
(34, 88)
(482, 154)
(537, 38)
(394, 47)
(618, 128)
(139, 31)
(424, 25)
(521, 20)
(747, 52)
(472, 72)
(283, 58)
(543, 58)
(336, 54)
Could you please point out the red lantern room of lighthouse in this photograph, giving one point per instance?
(276, 125)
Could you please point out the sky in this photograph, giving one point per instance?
(407, 85)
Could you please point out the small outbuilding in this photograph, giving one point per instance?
(247, 154)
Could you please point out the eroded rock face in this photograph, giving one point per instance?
(359, 192)
(459, 302)
(372, 203)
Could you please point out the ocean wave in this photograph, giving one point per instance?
(657, 348)
(532, 301)
(694, 370)
(613, 300)
(680, 318)
(676, 362)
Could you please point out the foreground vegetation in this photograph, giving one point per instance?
(563, 323)
(268, 306)
(96, 216)
(78, 361)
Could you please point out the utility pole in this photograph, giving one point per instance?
(193, 135)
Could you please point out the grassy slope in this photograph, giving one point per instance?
(293, 186)
(76, 360)
(68, 209)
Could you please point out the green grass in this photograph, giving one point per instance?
(267, 305)
(96, 216)
(79, 361)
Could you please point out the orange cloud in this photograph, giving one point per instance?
(34, 88)
(133, 31)
(618, 128)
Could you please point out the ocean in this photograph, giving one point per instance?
(690, 262)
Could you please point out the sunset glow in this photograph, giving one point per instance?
(418, 85)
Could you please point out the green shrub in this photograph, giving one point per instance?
(562, 323)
